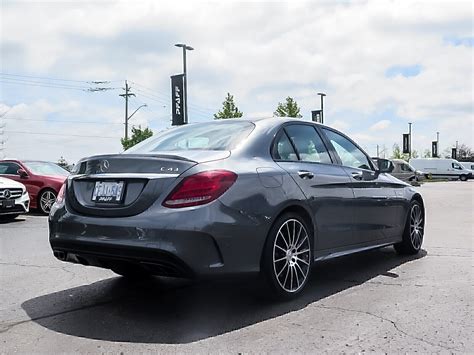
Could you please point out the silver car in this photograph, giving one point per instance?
(268, 197)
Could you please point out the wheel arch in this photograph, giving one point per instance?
(300, 210)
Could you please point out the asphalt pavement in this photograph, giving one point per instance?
(375, 301)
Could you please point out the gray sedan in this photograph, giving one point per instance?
(268, 196)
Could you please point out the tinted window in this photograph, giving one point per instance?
(406, 167)
(308, 144)
(348, 152)
(9, 168)
(282, 149)
(200, 136)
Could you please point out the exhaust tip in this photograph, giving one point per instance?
(59, 255)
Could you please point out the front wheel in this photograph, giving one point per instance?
(463, 178)
(46, 201)
(414, 230)
(286, 262)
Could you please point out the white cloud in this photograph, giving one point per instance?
(380, 125)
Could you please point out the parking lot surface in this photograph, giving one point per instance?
(376, 301)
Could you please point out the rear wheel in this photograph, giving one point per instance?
(46, 201)
(286, 262)
(414, 230)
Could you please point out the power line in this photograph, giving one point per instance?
(42, 85)
(62, 135)
(57, 79)
(65, 121)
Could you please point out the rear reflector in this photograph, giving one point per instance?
(200, 188)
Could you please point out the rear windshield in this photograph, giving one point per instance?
(200, 136)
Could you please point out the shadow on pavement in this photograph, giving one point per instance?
(176, 312)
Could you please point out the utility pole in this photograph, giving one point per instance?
(409, 145)
(126, 95)
(377, 150)
(322, 106)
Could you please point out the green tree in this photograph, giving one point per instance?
(138, 135)
(427, 153)
(415, 154)
(397, 153)
(288, 109)
(229, 109)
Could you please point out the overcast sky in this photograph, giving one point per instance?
(381, 63)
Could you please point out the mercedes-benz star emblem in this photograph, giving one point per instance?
(104, 165)
(6, 193)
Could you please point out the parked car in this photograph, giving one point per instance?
(405, 172)
(268, 196)
(14, 199)
(42, 179)
(442, 168)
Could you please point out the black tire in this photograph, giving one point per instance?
(413, 232)
(463, 178)
(46, 200)
(130, 271)
(287, 257)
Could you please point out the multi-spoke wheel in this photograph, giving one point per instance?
(414, 230)
(287, 256)
(46, 201)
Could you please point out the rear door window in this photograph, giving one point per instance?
(308, 143)
(283, 149)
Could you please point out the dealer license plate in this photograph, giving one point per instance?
(108, 191)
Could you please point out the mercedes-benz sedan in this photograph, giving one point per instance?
(269, 196)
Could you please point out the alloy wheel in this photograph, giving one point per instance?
(47, 200)
(416, 226)
(291, 255)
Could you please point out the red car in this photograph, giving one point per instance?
(42, 179)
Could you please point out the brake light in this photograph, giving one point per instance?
(200, 188)
(60, 197)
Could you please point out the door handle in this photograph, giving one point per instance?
(305, 174)
(357, 175)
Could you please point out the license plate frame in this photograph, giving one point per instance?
(7, 204)
(108, 192)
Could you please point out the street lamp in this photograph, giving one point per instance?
(322, 107)
(129, 117)
(409, 144)
(185, 48)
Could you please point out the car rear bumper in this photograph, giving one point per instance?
(181, 243)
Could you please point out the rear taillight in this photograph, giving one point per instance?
(200, 188)
(60, 197)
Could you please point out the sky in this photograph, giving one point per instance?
(381, 64)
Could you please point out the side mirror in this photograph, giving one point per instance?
(385, 165)
(23, 174)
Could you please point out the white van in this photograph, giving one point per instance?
(442, 168)
(468, 165)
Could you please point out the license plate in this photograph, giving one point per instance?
(7, 203)
(108, 191)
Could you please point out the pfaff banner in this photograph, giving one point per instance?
(454, 153)
(406, 143)
(434, 149)
(177, 100)
(316, 116)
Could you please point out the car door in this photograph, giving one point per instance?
(299, 149)
(377, 208)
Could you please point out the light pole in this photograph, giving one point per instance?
(409, 144)
(322, 107)
(129, 117)
(185, 84)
